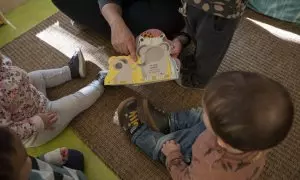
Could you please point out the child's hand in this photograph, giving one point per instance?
(176, 47)
(49, 119)
(169, 147)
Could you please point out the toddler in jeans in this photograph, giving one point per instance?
(25, 108)
(244, 115)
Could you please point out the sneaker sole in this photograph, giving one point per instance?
(121, 107)
(82, 64)
(148, 117)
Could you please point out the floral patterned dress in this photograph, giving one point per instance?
(20, 101)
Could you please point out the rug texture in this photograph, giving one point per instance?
(260, 45)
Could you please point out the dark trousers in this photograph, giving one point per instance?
(212, 36)
(139, 15)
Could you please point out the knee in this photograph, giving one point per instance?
(34, 77)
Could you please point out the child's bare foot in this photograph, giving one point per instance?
(77, 65)
(56, 157)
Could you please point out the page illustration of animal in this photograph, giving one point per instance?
(154, 62)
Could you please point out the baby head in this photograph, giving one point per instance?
(247, 111)
(15, 164)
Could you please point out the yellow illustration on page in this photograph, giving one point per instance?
(154, 62)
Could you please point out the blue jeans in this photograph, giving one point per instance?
(185, 127)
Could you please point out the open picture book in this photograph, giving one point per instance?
(154, 62)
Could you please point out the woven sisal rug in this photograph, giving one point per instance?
(257, 46)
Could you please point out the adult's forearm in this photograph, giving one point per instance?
(104, 2)
(112, 13)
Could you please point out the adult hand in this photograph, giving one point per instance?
(49, 119)
(169, 147)
(176, 47)
(122, 39)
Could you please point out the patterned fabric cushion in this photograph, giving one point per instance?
(287, 10)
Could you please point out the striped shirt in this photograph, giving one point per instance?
(44, 171)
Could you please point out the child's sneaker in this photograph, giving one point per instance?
(77, 65)
(101, 76)
(128, 115)
(156, 118)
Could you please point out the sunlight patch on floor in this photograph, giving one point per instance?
(65, 42)
(280, 33)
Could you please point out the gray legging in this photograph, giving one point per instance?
(139, 15)
(66, 107)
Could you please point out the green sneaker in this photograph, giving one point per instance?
(128, 115)
(155, 118)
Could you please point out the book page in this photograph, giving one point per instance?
(154, 62)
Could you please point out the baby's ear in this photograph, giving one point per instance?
(221, 143)
(165, 46)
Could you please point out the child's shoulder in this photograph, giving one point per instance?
(11, 76)
(12, 71)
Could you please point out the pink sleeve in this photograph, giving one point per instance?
(26, 128)
(178, 169)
